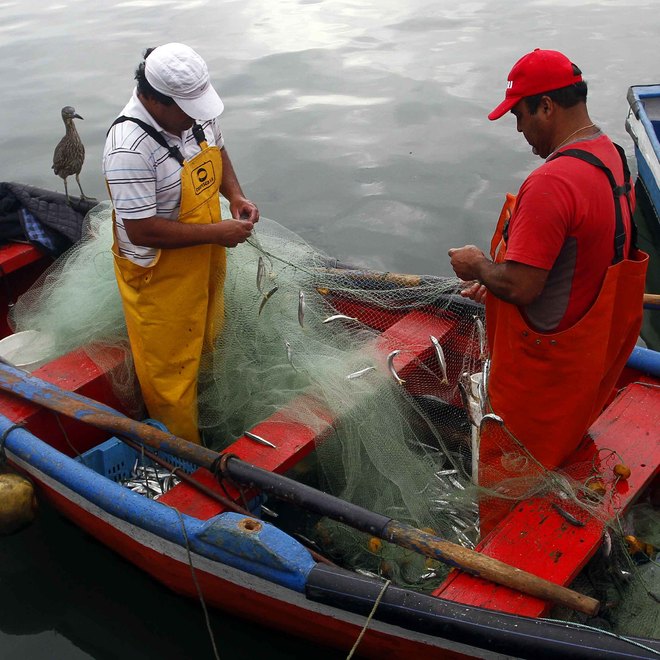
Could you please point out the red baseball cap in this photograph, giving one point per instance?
(536, 72)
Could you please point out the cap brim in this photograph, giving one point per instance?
(207, 106)
(503, 107)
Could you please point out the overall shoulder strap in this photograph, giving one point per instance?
(618, 191)
(152, 132)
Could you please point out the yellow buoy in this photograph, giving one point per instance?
(18, 503)
(636, 546)
(622, 471)
(375, 544)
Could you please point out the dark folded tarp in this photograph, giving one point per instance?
(43, 217)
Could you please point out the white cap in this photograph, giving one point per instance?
(176, 70)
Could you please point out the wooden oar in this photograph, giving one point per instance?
(97, 414)
(101, 416)
(652, 301)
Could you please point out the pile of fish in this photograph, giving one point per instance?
(462, 515)
(146, 479)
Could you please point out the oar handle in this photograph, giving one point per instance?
(104, 417)
(652, 300)
(488, 568)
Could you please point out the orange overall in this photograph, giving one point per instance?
(549, 387)
(175, 307)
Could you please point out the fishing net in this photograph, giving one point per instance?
(391, 399)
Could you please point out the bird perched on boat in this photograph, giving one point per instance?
(70, 152)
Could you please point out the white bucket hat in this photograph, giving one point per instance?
(176, 70)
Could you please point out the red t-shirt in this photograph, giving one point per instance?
(564, 222)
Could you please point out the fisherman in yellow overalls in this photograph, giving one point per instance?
(164, 172)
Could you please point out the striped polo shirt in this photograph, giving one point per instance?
(143, 179)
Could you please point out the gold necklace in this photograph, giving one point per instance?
(563, 142)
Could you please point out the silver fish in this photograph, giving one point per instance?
(461, 524)
(441, 359)
(138, 488)
(269, 512)
(390, 366)
(261, 275)
(483, 392)
(607, 544)
(289, 355)
(567, 516)
(486, 374)
(301, 308)
(357, 374)
(465, 398)
(444, 473)
(482, 337)
(455, 482)
(492, 417)
(267, 297)
(627, 576)
(336, 317)
(259, 439)
(463, 539)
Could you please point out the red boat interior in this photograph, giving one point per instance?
(534, 536)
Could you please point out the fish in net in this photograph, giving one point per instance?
(347, 354)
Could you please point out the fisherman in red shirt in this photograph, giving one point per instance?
(563, 287)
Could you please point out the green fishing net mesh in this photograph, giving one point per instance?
(402, 450)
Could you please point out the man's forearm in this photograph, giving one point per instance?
(157, 232)
(510, 281)
(501, 282)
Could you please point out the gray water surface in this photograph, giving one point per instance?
(359, 124)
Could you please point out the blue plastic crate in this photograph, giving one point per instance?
(114, 459)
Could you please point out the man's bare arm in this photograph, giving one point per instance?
(510, 281)
(157, 232)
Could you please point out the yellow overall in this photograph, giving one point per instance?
(175, 307)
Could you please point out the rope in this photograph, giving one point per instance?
(368, 621)
(66, 437)
(584, 626)
(197, 587)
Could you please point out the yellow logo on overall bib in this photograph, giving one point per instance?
(203, 177)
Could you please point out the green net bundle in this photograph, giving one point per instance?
(404, 451)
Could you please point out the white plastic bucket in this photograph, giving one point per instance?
(27, 350)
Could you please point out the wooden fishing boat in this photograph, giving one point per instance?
(206, 539)
(643, 125)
